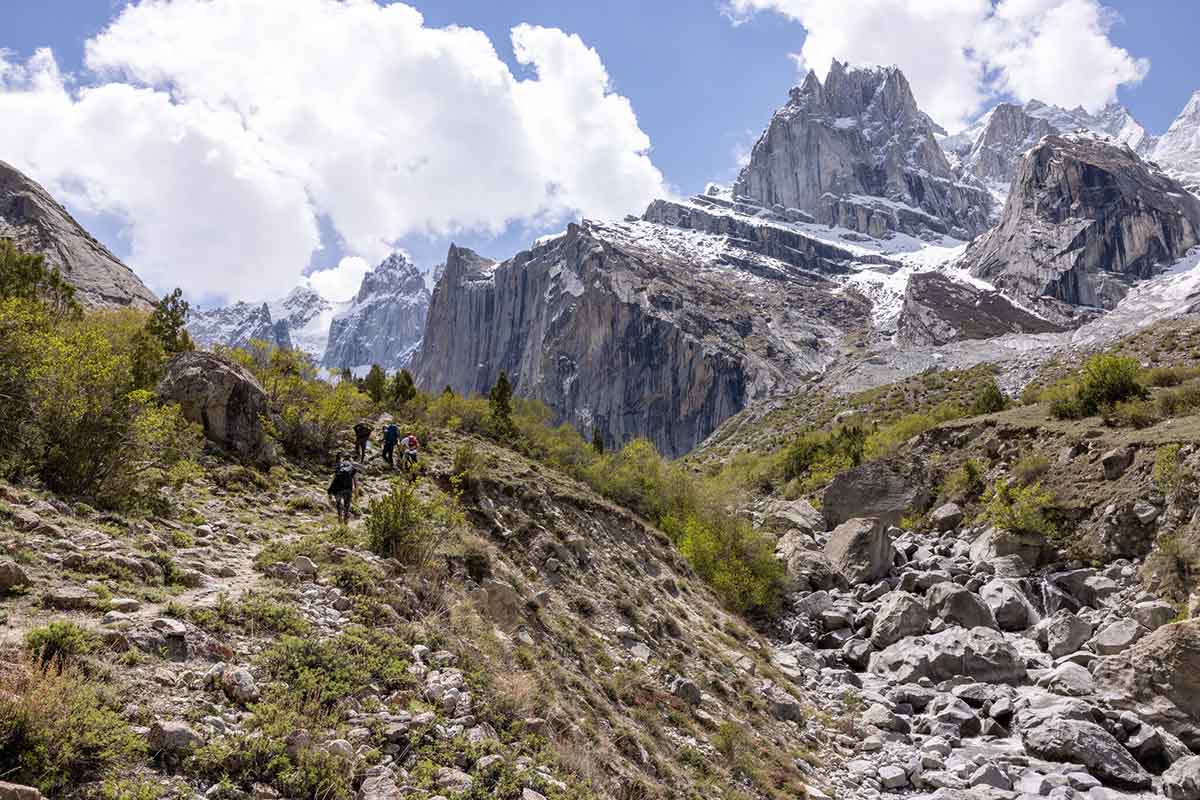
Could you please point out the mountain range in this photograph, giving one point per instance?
(859, 242)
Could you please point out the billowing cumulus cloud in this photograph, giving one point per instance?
(219, 131)
(960, 54)
(339, 283)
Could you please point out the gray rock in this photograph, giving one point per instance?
(991, 775)
(1012, 609)
(792, 514)
(11, 576)
(982, 653)
(16, 791)
(1068, 679)
(687, 691)
(38, 224)
(1153, 614)
(1074, 202)
(1116, 461)
(1086, 743)
(946, 517)
(174, 738)
(900, 615)
(957, 606)
(1181, 781)
(882, 489)
(893, 777)
(1066, 633)
(938, 309)
(221, 396)
(1116, 637)
(861, 550)
(239, 685)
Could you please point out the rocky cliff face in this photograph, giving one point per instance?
(32, 218)
(661, 327)
(1179, 148)
(1084, 220)
(938, 310)
(858, 152)
(385, 321)
(991, 150)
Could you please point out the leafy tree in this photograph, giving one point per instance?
(448, 391)
(25, 276)
(375, 383)
(167, 323)
(500, 404)
(597, 442)
(403, 388)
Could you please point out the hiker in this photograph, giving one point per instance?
(411, 447)
(391, 435)
(343, 487)
(362, 432)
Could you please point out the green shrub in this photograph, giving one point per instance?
(1170, 475)
(1020, 509)
(736, 560)
(988, 400)
(1178, 402)
(1133, 414)
(1173, 567)
(888, 438)
(1169, 376)
(329, 671)
(814, 457)
(467, 461)
(1030, 469)
(253, 613)
(966, 482)
(60, 641)
(356, 576)
(1104, 381)
(637, 477)
(59, 731)
(409, 528)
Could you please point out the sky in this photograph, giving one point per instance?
(232, 147)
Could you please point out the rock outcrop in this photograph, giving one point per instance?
(1008, 131)
(37, 223)
(856, 151)
(938, 310)
(385, 321)
(1085, 220)
(1179, 148)
(222, 397)
(662, 327)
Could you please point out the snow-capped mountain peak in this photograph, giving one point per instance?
(384, 322)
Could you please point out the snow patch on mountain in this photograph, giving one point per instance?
(384, 322)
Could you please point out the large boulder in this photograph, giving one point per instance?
(899, 616)
(1158, 678)
(1083, 742)
(783, 515)
(994, 543)
(982, 653)
(883, 489)
(1065, 633)
(958, 606)
(861, 550)
(222, 397)
(1007, 600)
(1181, 781)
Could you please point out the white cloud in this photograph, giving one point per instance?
(960, 54)
(339, 284)
(219, 130)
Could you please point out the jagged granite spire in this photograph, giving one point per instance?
(385, 321)
(857, 151)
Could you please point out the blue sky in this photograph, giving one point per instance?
(701, 87)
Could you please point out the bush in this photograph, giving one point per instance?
(58, 731)
(1172, 568)
(1020, 509)
(640, 479)
(467, 462)
(59, 642)
(736, 560)
(966, 482)
(253, 613)
(815, 457)
(1104, 381)
(1178, 402)
(328, 671)
(1170, 475)
(404, 526)
(1169, 376)
(1030, 469)
(888, 438)
(988, 400)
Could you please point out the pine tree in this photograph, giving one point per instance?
(167, 323)
(448, 391)
(375, 383)
(403, 388)
(26, 276)
(597, 442)
(347, 375)
(500, 404)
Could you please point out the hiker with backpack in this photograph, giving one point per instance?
(411, 447)
(362, 433)
(391, 435)
(343, 487)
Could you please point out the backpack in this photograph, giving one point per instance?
(362, 430)
(391, 434)
(343, 479)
